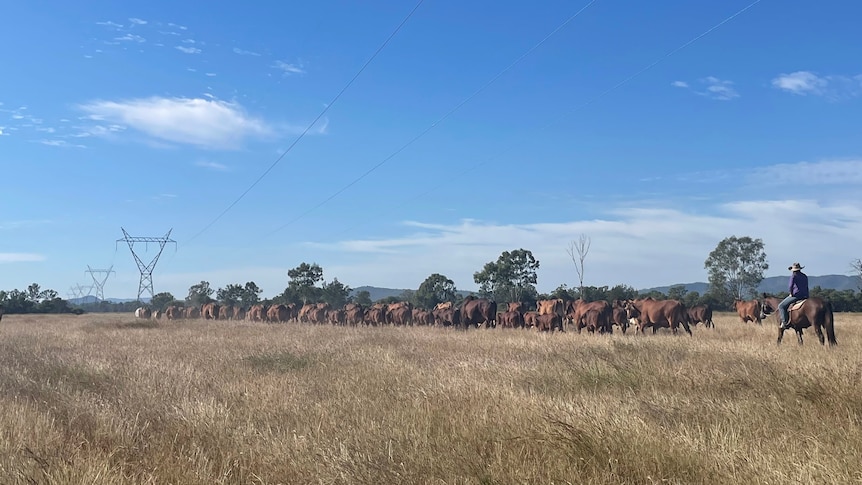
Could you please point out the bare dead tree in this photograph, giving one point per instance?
(856, 265)
(578, 252)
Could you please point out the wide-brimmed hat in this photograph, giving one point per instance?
(795, 267)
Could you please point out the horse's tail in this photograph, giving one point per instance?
(829, 323)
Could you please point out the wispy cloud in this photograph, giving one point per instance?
(244, 52)
(137, 21)
(177, 26)
(218, 167)
(804, 83)
(20, 258)
(827, 172)
(629, 244)
(210, 74)
(711, 87)
(11, 225)
(288, 68)
(110, 24)
(131, 38)
(61, 143)
(195, 121)
(187, 50)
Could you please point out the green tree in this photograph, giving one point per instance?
(691, 299)
(200, 294)
(303, 279)
(622, 292)
(562, 291)
(435, 289)
(389, 299)
(363, 298)
(231, 294)
(34, 293)
(511, 278)
(736, 267)
(250, 294)
(335, 293)
(162, 300)
(676, 292)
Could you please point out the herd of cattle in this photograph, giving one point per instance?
(557, 314)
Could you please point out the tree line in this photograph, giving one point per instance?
(735, 269)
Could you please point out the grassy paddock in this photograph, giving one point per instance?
(108, 399)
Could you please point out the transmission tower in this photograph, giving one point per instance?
(82, 291)
(146, 270)
(99, 285)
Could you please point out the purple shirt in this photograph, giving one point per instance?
(799, 284)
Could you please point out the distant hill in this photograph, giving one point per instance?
(778, 284)
(90, 299)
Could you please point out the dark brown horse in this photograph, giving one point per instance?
(814, 311)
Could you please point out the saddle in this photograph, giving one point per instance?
(798, 304)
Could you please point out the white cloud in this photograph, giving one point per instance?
(828, 172)
(212, 166)
(288, 68)
(712, 87)
(632, 245)
(20, 258)
(210, 74)
(244, 52)
(202, 122)
(137, 21)
(61, 143)
(131, 38)
(803, 83)
(187, 50)
(113, 25)
(177, 26)
(2, 133)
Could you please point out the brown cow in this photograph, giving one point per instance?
(193, 312)
(400, 315)
(579, 308)
(423, 317)
(376, 315)
(354, 314)
(511, 319)
(443, 306)
(337, 316)
(277, 313)
(174, 312)
(447, 317)
(555, 307)
(238, 313)
(530, 319)
(255, 313)
(700, 314)
(517, 306)
(549, 321)
(620, 318)
(658, 313)
(210, 311)
(143, 312)
(477, 311)
(225, 312)
(749, 311)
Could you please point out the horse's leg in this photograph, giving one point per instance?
(780, 335)
(799, 335)
(818, 329)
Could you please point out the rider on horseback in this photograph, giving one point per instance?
(798, 291)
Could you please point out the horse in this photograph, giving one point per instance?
(811, 311)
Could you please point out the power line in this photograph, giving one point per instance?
(565, 115)
(310, 125)
(432, 125)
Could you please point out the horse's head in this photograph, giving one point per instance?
(766, 308)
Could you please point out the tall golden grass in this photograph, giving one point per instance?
(108, 399)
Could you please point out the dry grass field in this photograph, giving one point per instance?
(107, 399)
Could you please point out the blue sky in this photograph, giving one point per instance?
(155, 115)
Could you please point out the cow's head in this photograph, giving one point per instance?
(631, 310)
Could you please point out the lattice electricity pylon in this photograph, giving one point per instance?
(97, 284)
(83, 291)
(146, 270)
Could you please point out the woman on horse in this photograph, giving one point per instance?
(798, 291)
